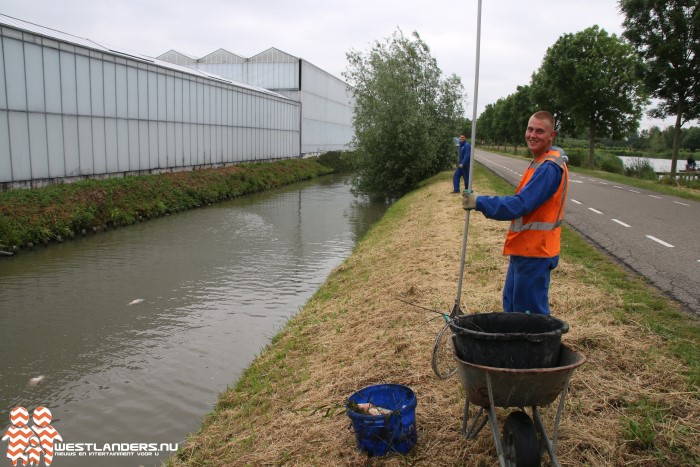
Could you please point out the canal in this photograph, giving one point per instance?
(129, 336)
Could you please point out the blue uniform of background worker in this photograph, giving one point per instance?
(462, 170)
(536, 212)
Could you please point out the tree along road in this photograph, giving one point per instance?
(654, 234)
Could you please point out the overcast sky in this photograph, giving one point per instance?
(515, 34)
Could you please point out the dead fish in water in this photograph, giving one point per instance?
(135, 302)
(369, 409)
(36, 380)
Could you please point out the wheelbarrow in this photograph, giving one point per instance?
(523, 440)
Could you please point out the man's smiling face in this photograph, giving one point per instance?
(539, 136)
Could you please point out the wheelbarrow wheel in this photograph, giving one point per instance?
(520, 438)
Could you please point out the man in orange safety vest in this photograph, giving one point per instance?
(536, 212)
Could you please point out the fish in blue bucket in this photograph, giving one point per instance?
(391, 424)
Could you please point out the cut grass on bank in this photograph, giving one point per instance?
(635, 401)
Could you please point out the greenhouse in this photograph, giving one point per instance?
(326, 102)
(71, 108)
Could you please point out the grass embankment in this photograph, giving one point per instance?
(59, 212)
(635, 401)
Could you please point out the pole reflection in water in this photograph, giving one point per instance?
(135, 332)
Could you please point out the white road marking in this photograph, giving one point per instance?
(619, 187)
(657, 197)
(577, 202)
(660, 241)
(595, 211)
(621, 223)
(635, 191)
(682, 204)
(603, 183)
(576, 181)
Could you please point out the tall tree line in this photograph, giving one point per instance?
(597, 84)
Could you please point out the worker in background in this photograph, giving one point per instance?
(536, 212)
(462, 170)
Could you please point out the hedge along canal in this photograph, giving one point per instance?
(59, 212)
(133, 333)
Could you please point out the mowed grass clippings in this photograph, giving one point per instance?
(632, 403)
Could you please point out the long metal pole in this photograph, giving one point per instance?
(471, 159)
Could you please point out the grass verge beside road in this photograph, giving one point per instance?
(651, 185)
(634, 402)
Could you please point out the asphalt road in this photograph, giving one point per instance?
(654, 234)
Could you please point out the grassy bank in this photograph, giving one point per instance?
(57, 212)
(635, 401)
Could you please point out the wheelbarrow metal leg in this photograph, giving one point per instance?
(544, 438)
(480, 418)
(465, 417)
(493, 422)
(551, 445)
(562, 400)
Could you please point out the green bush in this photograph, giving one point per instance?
(609, 163)
(339, 161)
(576, 156)
(641, 168)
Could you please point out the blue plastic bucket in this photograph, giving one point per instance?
(379, 434)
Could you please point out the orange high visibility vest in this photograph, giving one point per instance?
(538, 234)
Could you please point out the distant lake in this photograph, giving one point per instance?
(659, 165)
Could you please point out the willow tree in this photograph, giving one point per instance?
(405, 116)
(666, 33)
(589, 80)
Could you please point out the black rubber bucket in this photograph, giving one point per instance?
(508, 340)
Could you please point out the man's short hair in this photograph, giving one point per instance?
(544, 115)
(463, 134)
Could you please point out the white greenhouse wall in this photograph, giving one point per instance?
(327, 110)
(326, 101)
(68, 111)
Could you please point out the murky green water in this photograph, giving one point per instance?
(135, 332)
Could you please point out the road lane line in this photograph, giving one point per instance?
(595, 211)
(618, 187)
(635, 191)
(657, 197)
(682, 204)
(577, 202)
(621, 223)
(660, 241)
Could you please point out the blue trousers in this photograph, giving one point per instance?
(463, 172)
(527, 284)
